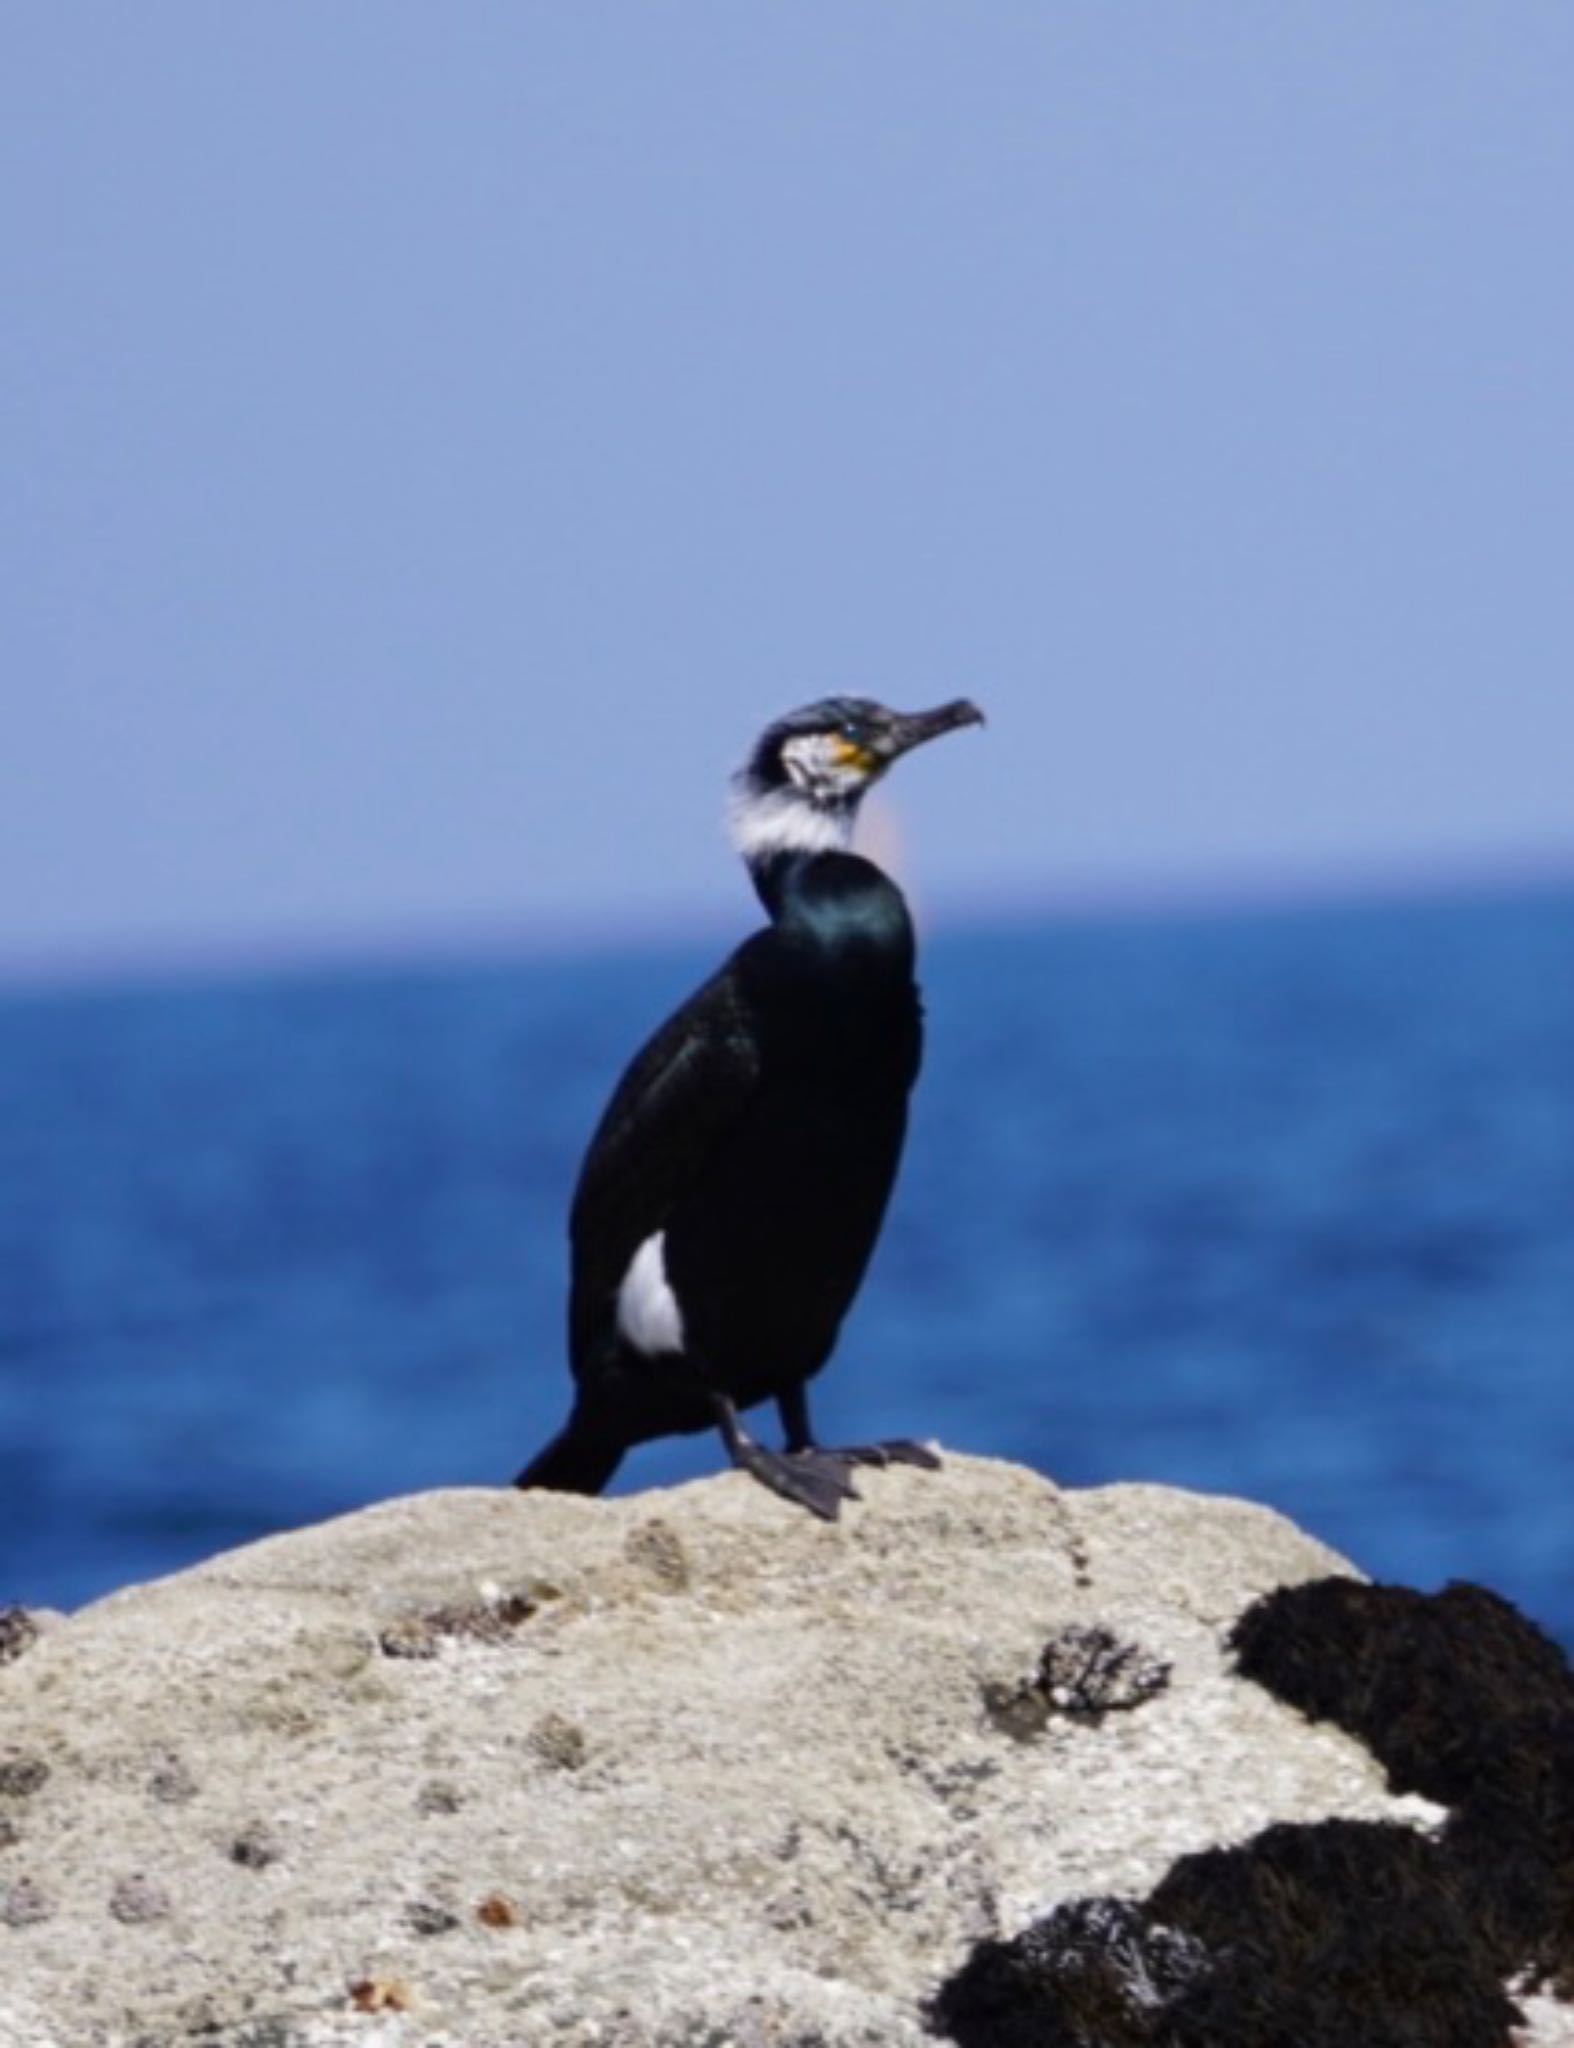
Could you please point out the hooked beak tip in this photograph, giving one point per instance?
(929, 725)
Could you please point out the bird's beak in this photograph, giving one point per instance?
(910, 729)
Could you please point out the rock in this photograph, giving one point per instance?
(739, 1777)
(137, 1898)
(18, 1632)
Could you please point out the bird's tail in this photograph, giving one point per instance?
(581, 1458)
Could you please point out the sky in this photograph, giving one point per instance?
(437, 438)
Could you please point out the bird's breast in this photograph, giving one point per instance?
(782, 1222)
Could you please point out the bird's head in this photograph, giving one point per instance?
(798, 792)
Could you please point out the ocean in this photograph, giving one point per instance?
(1275, 1205)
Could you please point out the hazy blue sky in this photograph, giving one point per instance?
(437, 436)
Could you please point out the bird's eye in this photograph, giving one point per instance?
(853, 733)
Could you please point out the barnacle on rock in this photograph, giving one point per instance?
(137, 1899)
(24, 1903)
(491, 1621)
(22, 1776)
(254, 1848)
(1083, 1674)
(171, 1781)
(558, 1742)
(425, 1916)
(656, 1547)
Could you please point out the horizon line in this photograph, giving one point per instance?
(115, 962)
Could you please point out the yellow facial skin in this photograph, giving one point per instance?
(862, 760)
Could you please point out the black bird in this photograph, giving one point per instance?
(736, 1183)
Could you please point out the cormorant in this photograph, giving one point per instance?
(735, 1186)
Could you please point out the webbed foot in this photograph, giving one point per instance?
(899, 1450)
(816, 1480)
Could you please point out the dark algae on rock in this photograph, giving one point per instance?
(1465, 1701)
(1094, 1971)
(1339, 1933)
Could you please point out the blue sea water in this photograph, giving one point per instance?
(1273, 1205)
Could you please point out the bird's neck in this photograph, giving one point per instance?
(769, 823)
(837, 901)
(777, 828)
(798, 854)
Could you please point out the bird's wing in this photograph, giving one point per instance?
(681, 1092)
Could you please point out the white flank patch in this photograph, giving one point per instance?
(771, 821)
(648, 1312)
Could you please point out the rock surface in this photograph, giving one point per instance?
(481, 1769)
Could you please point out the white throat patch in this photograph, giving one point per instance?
(812, 812)
(768, 821)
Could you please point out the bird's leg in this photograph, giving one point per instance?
(793, 1407)
(815, 1483)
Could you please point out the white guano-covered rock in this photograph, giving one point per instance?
(483, 1769)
